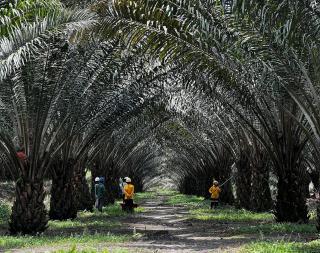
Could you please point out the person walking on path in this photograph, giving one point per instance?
(100, 191)
(215, 193)
(128, 190)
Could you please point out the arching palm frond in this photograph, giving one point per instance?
(30, 37)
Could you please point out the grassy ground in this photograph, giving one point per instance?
(9, 242)
(91, 229)
(282, 247)
(241, 222)
(277, 228)
(185, 200)
(88, 250)
(88, 228)
(229, 214)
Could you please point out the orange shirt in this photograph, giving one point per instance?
(215, 191)
(128, 191)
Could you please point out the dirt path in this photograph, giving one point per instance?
(166, 228)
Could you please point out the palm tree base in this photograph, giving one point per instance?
(62, 204)
(291, 200)
(29, 215)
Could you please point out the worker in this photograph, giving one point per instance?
(100, 191)
(128, 191)
(215, 193)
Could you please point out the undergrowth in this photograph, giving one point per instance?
(5, 211)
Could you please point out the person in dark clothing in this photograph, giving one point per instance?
(100, 191)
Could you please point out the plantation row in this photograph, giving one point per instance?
(197, 89)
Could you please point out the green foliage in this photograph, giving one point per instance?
(229, 214)
(282, 247)
(5, 211)
(18, 12)
(27, 26)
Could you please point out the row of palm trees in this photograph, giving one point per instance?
(110, 85)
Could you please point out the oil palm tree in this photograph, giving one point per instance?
(240, 55)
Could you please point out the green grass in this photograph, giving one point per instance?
(229, 214)
(95, 220)
(287, 228)
(114, 250)
(144, 195)
(282, 247)
(168, 192)
(116, 211)
(79, 223)
(92, 251)
(185, 200)
(9, 242)
(84, 221)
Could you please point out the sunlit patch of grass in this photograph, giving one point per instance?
(144, 195)
(94, 220)
(168, 192)
(229, 214)
(116, 211)
(282, 247)
(185, 200)
(273, 227)
(78, 223)
(8, 242)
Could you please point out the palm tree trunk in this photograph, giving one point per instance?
(260, 195)
(318, 215)
(291, 199)
(29, 215)
(82, 192)
(111, 191)
(243, 182)
(62, 204)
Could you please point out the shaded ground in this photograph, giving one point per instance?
(162, 227)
